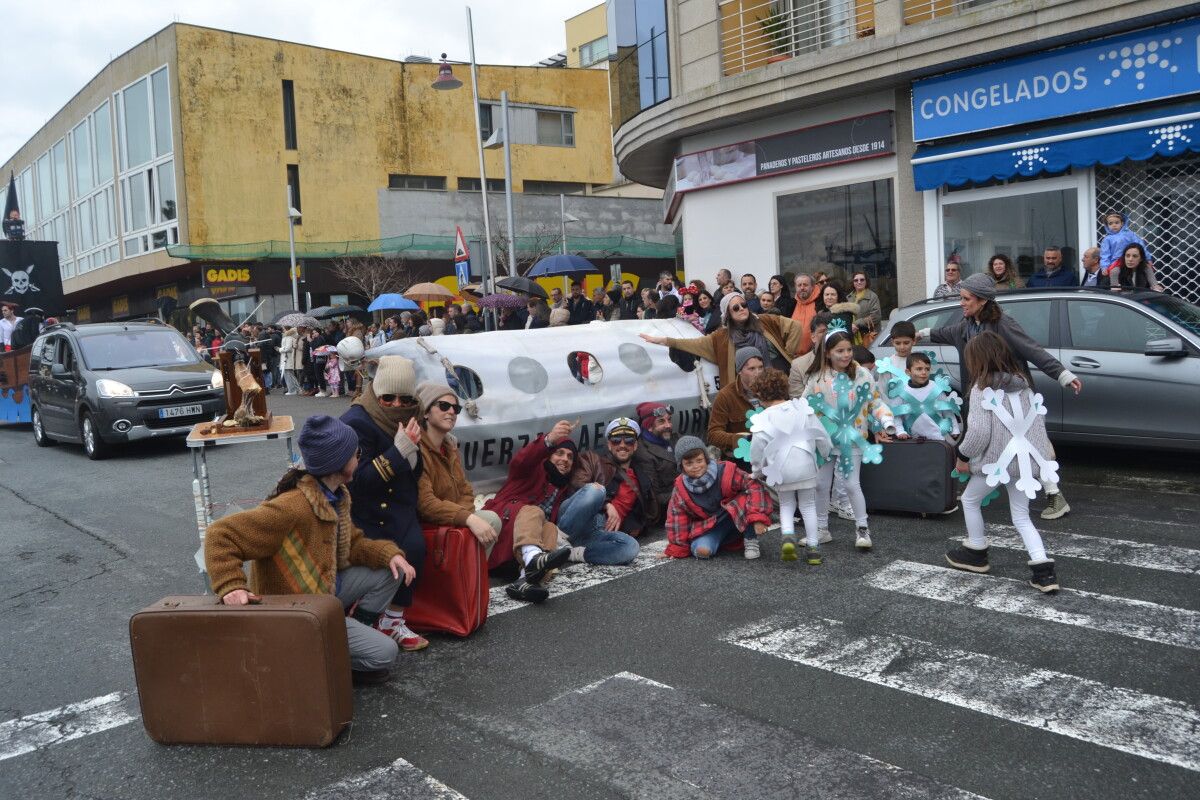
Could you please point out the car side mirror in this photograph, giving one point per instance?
(58, 370)
(1166, 348)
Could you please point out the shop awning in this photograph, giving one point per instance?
(1167, 131)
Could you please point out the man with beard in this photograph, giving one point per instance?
(655, 454)
(384, 486)
(805, 310)
(612, 501)
(528, 506)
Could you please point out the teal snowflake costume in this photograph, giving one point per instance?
(939, 404)
(841, 421)
(742, 451)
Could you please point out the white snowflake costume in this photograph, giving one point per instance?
(786, 441)
(1007, 407)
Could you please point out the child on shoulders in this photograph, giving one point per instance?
(1114, 243)
(714, 506)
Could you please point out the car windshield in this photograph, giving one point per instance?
(1181, 312)
(136, 348)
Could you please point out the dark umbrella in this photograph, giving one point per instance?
(516, 283)
(318, 311)
(275, 319)
(561, 264)
(502, 301)
(329, 312)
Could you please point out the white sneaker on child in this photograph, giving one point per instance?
(843, 509)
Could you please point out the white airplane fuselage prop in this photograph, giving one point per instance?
(516, 384)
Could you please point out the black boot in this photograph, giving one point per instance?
(544, 561)
(970, 559)
(369, 677)
(524, 590)
(368, 618)
(1044, 579)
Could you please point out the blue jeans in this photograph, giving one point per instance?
(581, 517)
(721, 533)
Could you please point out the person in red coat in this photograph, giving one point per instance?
(528, 505)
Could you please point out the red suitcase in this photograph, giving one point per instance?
(452, 595)
(275, 673)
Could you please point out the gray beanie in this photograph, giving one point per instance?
(980, 285)
(688, 444)
(726, 300)
(743, 355)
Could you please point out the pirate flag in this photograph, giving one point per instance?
(29, 276)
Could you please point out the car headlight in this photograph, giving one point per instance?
(108, 388)
(218, 381)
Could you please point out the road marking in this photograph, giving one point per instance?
(582, 576)
(1137, 619)
(396, 781)
(58, 725)
(1165, 558)
(639, 738)
(1144, 725)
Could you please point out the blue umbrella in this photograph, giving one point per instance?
(392, 302)
(560, 264)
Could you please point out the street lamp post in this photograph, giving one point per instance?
(506, 142)
(563, 219)
(293, 215)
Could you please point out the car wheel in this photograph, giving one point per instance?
(95, 447)
(39, 430)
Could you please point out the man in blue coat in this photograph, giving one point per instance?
(1054, 274)
(384, 487)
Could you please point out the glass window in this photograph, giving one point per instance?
(429, 182)
(485, 121)
(1019, 226)
(552, 187)
(472, 184)
(135, 134)
(81, 151)
(162, 112)
(87, 238)
(839, 230)
(105, 225)
(593, 51)
(556, 128)
(293, 182)
(1033, 316)
(289, 116)
(25, 197)
(166, 191)
(102, 129)
(45, 186)
(637, 37)
(58, 154)
(1101, 325)
(134, 191)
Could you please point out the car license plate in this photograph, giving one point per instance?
(180, 411)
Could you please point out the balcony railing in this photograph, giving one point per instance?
(924, 10)
(759, 32)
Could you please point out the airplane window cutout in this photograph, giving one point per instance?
(465, 382)
(635, 357)
(527, 375)
(584, 367)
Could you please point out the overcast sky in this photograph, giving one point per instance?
(50, 48)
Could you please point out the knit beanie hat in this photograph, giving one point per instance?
(559, 316)
(326, 444)
(428, 394)
(394, 375)
(725, 301)
(645, 412)
(688, 444)
(980, 285)
(743, 355)
(566, 444)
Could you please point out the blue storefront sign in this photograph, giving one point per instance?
(1152, 64)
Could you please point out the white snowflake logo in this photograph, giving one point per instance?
(1030, 157)
(1019, 448)
(1171, 134)
(1139, 58)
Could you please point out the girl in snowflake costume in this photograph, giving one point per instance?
(844, 396)
(1005, 443)
(785, 440)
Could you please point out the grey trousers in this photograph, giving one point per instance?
(372, 588)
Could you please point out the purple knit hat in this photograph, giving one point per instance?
(326, 444)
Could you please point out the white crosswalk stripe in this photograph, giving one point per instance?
(1145, 725)
(58, 725)
(1137, 619)
(1165, 558)
(582, 576)
(397, 781)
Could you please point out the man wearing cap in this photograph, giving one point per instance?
(385, 483)
(727, 423)
(655, 455)
(528, 506)
(611, 502)
(8, 323)
(302, 540)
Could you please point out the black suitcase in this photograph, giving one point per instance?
(914, 478)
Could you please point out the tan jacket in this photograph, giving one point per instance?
(298, 541)
(728, 418)
(444, 495)
(783, 334)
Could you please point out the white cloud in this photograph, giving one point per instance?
(50, 50)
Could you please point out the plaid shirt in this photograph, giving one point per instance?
(746, 500)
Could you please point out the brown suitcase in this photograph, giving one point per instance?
(275, 673)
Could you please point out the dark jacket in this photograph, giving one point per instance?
(385, 491)
(1065, 277)
(628, 307)
(658, 463)
(581, 309)
(599, 467)
(1022, 344)
(527, 485)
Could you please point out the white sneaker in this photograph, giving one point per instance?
(843, 509)
(320, 394)
(752, 550)
(290, 394)
(824, 536)
(862, 539)
(577, 554)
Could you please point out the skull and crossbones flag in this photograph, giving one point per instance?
(29, 275)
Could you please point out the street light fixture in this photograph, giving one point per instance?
(293, 215)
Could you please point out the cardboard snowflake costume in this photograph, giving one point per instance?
(930, 411)
(786, 440)
(1006, 437)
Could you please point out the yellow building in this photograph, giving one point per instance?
(188, 141)
(587, 38)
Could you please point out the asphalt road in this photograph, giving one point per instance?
(880, 675)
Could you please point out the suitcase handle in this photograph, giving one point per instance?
(439, 545)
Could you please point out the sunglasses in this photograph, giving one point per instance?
(403, 399)
(737, 307)
(625, 440)
(446, 405)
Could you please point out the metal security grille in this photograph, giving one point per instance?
(1162, 199)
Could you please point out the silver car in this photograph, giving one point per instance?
(1137, 353)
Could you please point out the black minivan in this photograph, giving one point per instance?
(107, 383)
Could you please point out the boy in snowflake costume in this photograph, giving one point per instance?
(924, 408)
(1005, 444)
(844, 397)
(785, 441)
